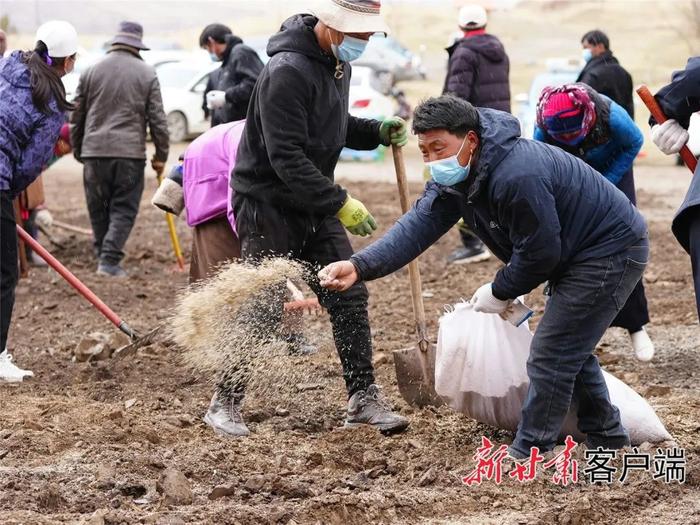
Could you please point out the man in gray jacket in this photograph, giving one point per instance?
(116, 99)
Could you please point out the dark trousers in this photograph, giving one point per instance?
(9, 270)
(562, 368)
(266, 230)
(635, 314)
(113, 189)
(694, 235)
(469, 240)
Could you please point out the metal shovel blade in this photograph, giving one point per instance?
(136, 343)
(414, 389)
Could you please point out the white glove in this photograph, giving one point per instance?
(484, 301)
(44, 219)
(669, 137)
(216, 99)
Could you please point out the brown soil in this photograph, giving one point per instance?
(92, 441)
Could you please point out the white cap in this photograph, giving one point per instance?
(351, 16)
(472, 16)
(60, 37)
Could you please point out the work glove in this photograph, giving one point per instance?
(669, 137)
(355, 217)
(158, 166)
(216, 99)
(484, 301)
(44, 219)
(169, 197)
(393, 131)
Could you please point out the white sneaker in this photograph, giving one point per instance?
(9, 372)
(643, 347)
(224, 416)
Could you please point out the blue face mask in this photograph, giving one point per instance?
(573, 141)
(350, 48)
(449, 171)
(214, 57)
(587, 54)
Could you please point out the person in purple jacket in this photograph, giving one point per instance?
(32, 111)
(200, 185)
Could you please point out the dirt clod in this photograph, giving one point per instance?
(175, 488)
(222, 491)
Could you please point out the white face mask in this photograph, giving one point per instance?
(449, 171)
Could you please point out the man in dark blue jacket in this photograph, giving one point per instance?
(550, 217)
(679, 100)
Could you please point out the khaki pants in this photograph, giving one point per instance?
(213, 243)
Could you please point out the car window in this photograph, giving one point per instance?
(201, 86)
(175, 75)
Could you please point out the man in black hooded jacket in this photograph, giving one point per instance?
(229, 88)
(285, 200)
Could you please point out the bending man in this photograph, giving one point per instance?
(550, 217)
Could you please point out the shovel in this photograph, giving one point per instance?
(653, 106)
(105, 310)
(415, 366)
(172, 231)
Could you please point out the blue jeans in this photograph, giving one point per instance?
(562, 368)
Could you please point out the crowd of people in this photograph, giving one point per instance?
(558, 210)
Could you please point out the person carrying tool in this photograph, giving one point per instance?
(592, 127)
(679, 100)
(32, 110)
(550, 217)
(229, 88)
(477, 71)
(35, 215)
(108, 133)
(285, 200)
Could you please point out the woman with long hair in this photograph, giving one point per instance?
(32, 110)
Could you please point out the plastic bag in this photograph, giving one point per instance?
(480, 370)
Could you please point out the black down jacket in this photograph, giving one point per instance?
(239, 71)
(477, 72)
(605, 74)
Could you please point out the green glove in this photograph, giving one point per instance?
(355, 217)
(393, 131)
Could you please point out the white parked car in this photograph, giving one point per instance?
(367, 95)
(182, 85)
(87, 59)
(367, 100)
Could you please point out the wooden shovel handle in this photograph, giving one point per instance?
(413, 271)
(658, 114)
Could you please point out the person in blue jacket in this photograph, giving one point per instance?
(592, 127)
(32, 111)
(679, 100)
(550, 217)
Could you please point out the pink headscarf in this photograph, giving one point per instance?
(579, 99)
